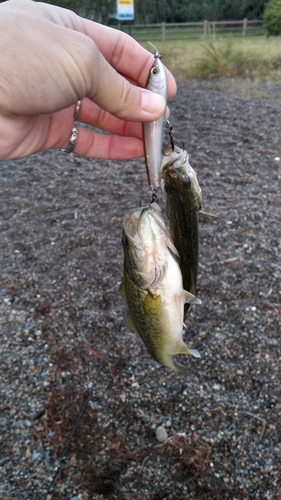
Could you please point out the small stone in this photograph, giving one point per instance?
(123, 397)
(161, 434)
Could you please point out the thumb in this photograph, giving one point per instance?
(113, 93)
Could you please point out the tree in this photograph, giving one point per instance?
(254, 8)
(75, 5)
(99, 10)
(272, 17)
(156, 11)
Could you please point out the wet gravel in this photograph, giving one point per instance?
(146, 432)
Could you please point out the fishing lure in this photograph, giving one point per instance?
(153, 131)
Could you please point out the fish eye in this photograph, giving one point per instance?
(167, 187)
(124, 241)
(186, 179)
(154, 70)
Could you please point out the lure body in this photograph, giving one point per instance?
(153, 131)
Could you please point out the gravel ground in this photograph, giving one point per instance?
(64, 342)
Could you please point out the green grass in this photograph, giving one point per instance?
(256, 57)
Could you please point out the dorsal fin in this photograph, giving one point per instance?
(130, 324)
(122, 292)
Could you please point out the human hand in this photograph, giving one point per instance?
(50, 59)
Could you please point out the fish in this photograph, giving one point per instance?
(153, 131)
(152, 286)
(183, 200)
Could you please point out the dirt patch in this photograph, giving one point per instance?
(63, 339)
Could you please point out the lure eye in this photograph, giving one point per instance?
(155, 70)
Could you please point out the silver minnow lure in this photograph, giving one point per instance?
(153, 131)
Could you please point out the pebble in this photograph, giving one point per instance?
(27, 423)
(161, 434)
(35, 456)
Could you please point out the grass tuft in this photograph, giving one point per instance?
(255, 57)
(221, 60)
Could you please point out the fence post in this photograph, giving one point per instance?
(205, 29)
(244, 31)
(163, 31)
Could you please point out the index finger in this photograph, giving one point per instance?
(124, 53)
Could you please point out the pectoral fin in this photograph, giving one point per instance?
(204, 212)
(191, 299)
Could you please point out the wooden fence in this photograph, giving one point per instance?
(203, 30)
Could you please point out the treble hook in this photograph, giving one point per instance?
(157, 54)
(154, 197)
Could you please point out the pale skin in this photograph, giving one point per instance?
(50, 59)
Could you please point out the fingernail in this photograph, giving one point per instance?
(153, 104)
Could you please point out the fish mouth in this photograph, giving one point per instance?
(149, 244)
(176, 157)
(136, 218)
(137, 231)
(176, 177)
(131, 224)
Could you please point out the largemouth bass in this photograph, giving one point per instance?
(153, 131)
(183, 200)
(152, 286)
